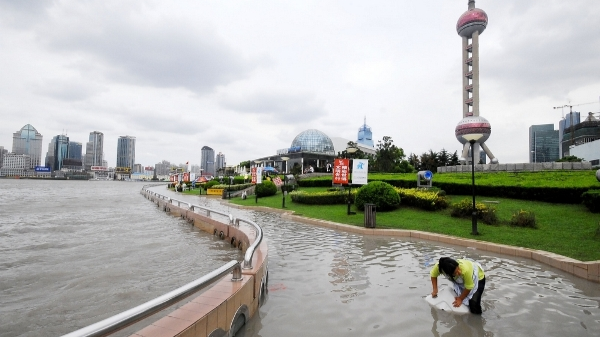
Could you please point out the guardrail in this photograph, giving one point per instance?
(131, 316)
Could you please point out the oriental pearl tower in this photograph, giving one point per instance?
(472, 128)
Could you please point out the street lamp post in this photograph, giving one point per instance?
(256, 184)
(284, 189)
(350, 150)
(472, 139)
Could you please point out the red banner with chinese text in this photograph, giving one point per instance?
(341, 171)
(253, 173)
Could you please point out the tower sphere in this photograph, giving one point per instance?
(471, 21)
(473, 124)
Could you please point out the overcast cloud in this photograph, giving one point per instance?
(246, 77)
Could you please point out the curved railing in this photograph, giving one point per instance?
(131, 316)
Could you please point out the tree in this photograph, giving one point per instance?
(388, 156)
(570, 159)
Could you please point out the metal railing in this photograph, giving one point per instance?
(131, 316)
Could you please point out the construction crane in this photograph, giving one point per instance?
(571, 115)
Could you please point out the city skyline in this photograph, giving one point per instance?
(246, 79)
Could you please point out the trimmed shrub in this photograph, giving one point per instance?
(267, 188)
(591, 200)
(523, 219)
(321, 198)
(421, 198)
(210, 184)
(464, 209)
(233, 187)
(383, 195)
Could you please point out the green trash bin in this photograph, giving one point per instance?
(370, 215)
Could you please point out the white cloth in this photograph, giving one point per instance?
(459, 283)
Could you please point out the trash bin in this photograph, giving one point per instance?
(370, 215)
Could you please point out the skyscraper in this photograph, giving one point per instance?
(365, 136)
(543, 143)
(207, 161)
(94, 150)
(220, 161)
(28, 141)
(58, 151)
(469, 26)
(126, 152)
(75, 150)
(564, 126)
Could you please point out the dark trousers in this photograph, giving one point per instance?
(475, 301)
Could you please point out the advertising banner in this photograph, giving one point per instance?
(360, 171)
(186, 176)
(341, 171)
(42, 169)
(256, 173)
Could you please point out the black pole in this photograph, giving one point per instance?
(349, 188)
(283, 191)
(474, 214)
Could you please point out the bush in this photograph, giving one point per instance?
(425, 199)
(464, 209)
(321, 198)
(267, 188)
(383, 195)
(523, 219)
(591, 200)
(210, 184)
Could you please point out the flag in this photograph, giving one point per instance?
(187, 162)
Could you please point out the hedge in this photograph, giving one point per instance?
(322, 198)
(591, 200)
(421, 198)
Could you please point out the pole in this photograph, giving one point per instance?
(474, 214)
(571, 113)
(283, 191)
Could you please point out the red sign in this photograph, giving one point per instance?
(277, 181)
(341, 171)
(186, 176)
(253, 173)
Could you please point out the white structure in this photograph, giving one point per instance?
(16, 165)
(588, 151)
(469, 26)
(340, 144)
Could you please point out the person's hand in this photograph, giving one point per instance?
(434, 294)
(457, 302)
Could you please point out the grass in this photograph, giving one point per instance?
(566, 229)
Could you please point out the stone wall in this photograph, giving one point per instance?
(517, 167)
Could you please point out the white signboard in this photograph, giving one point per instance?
(259, 171)
(360, 171)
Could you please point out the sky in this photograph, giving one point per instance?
(246, 77)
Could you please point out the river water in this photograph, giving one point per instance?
(65, 268)
(75, 252)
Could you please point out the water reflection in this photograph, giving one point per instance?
(446, 324)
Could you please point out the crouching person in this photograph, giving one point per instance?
(468, 280)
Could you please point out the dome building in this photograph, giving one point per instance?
(310, 151)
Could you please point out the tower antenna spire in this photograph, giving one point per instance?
(471, 4)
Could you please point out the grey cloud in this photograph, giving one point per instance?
(278, 108)
(68, 90)
(532, 59)
(168, 53)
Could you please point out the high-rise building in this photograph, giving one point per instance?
(28, 141)
(75, 150)
(543, 143)
(3, 152)
(61, 151)
(126, 152)
(163, 168)
(365, 136)
(220, 162)
(564, 127)
(207, 161)
(473, 130)
(94, 150)
(585, 132)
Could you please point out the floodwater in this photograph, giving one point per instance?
(75, 252)
(322, 282)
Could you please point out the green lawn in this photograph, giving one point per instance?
(569, 230)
